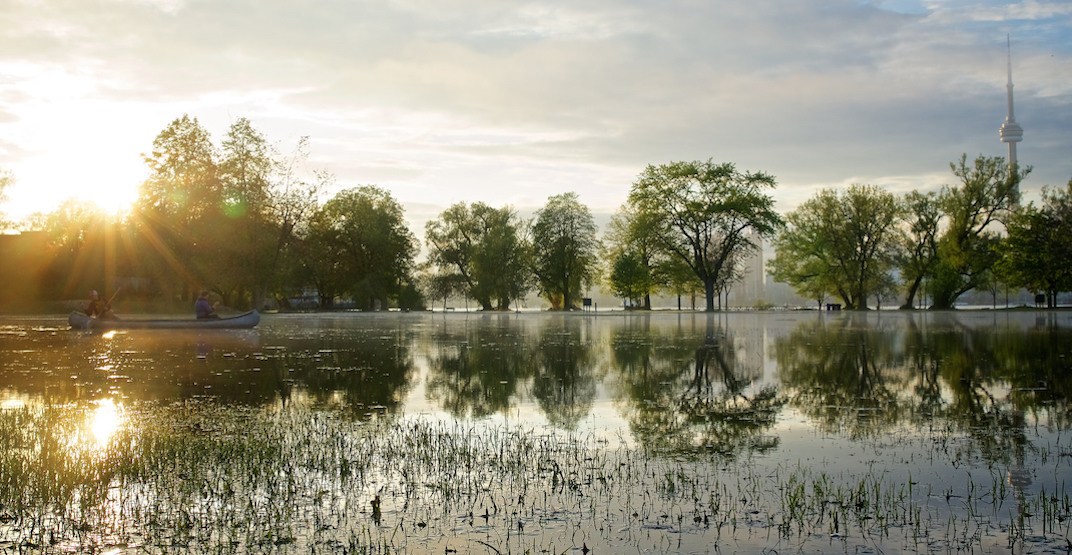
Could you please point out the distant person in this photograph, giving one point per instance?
(203, 308)
(98, 307)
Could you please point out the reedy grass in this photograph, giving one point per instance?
(216, 479)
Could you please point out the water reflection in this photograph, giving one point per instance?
(907, 417)
(564, 379)
(865, 374)
(684, 383)
(845, 374)
(104, 421)
(478, 365)
(687, 394)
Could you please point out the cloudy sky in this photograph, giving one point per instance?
(509, 102)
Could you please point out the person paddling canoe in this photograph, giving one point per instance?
(203, 308)
(98, 307)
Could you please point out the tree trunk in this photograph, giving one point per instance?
(943, 300)
(910, 297)
(709, 293)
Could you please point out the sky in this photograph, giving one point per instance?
(510, 102)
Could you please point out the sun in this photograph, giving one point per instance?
(92, 175)
(74, 146)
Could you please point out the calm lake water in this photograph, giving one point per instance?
(665, 432)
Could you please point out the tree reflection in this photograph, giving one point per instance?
(360, 372)
(990, 380)
(476, 368)
(564, 384)
(844, 373)
(688, 399)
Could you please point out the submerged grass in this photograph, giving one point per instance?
(206, 478)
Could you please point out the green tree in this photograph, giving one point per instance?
(242, 265)
(502, 264)
(630, 279)
(918, 255)
(480, 247)
(245, 171)
(974, 211)
(564, 249)
(1037, 252)
(176, 206)
(703, 211)
(452, 240)
(183, 184)
(292, 201)
(844, 244)
(636, 266)
(361, 247)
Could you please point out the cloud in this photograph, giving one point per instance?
(449, 100)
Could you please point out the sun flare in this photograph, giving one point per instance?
(104, 421)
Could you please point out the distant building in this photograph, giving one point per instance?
(752, 287)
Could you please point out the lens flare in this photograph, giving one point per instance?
(105, 421)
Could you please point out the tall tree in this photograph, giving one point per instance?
(975, 212)
(918, 255)
(176, 205)
(363, 246)
(480, 247)
(840, 243)
(564, 247)
(245, 171)
(637, 267)
(502, 261)
(703, 211)
(1037, 252)
(453, 240)
(183, 182)
(242, 261)
(292, 201)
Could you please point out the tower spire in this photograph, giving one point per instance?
(1010, 131)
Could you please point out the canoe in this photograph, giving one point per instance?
(79, 320)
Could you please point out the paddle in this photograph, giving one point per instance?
(108, 305)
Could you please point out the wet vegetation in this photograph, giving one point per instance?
(538, 433)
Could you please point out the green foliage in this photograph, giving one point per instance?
(227, 218)
(359, 245)
(245, 171)
(178, 206)
(245, 235)
(631, 279)
(564, 247)
(479, 248)
(975, 211)
(183, 184)
(840, 243)
(637, 268)
(1038, 249)
(918, 255)
(706, 216)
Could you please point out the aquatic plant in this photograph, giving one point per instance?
(208, 478)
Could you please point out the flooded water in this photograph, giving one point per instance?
(511, 433)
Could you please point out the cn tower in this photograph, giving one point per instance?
(1010, 131)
